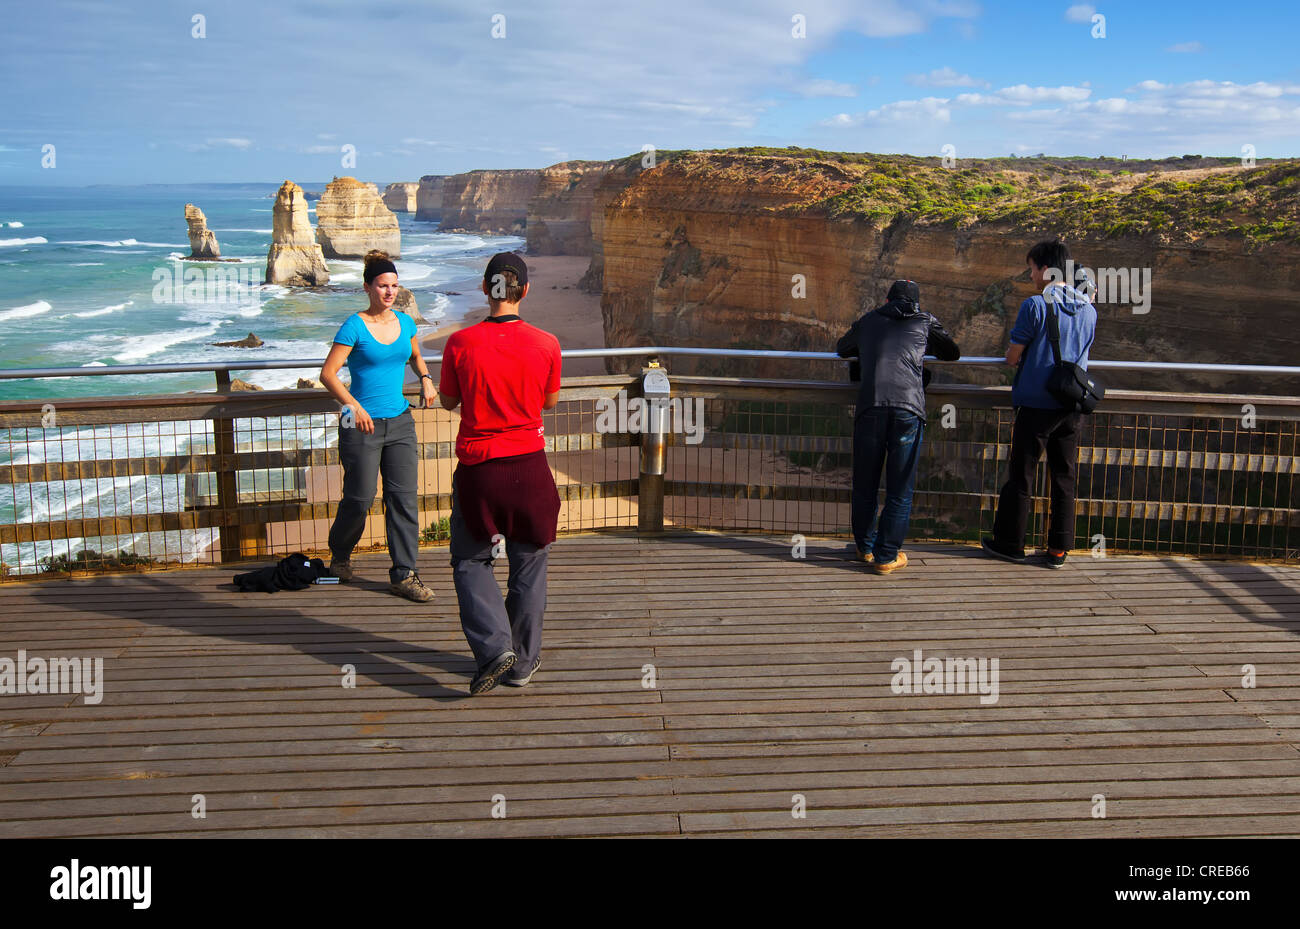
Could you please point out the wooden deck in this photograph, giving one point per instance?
(1121, 677)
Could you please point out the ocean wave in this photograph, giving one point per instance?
(13, 225)
(262, 231)
(121, 243)
(22, 312)
(34, 240)
(140, 347)
(345, 277)
(89, 264)
(105, 311)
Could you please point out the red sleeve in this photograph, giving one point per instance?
(553, 380)
(448, 382)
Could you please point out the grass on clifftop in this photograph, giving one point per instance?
(1174, 199)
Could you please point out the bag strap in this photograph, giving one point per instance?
(1053, 330)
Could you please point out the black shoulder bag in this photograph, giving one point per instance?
(1072, 386)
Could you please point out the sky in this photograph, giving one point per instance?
(167, 92)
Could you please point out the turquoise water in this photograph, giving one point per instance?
(92, 277)
(80, 285)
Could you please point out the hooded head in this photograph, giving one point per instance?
(904, 300)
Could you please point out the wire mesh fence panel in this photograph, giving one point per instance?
(160, 482)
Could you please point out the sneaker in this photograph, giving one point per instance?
(991, 547)
(490, 676)
(341, 568)
(512, 681)
(864, 556)
(412, 588)
(889, 567)
(1056, 559)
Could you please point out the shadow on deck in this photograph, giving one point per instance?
(1121, 677)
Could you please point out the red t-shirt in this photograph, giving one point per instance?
(502, 372)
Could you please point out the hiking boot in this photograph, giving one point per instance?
(864, 556)
(1056, 559)
(889, 567)
(490, 676)
(991, 547)
(412, 588)
(512, 681)
(341, 568)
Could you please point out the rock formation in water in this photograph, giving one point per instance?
(294, 257)
(203, 243)
(406, 303)
(560, 214)
(351, 219)
(488, 201)
(779, 250)
(428, 198)
(400, 198)
(249, 341)
(237, 384)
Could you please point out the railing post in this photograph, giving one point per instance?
(654, 449)
(236, 540)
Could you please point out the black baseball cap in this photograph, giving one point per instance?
(506, 261)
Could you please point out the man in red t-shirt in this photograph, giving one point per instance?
(502, 373)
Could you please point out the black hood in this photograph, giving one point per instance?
(904, 300)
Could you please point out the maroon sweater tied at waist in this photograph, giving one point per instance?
(513, 496)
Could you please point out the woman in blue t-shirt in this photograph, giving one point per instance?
(376, 429)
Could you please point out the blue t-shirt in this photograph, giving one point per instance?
(1077, 319)
(377, 370)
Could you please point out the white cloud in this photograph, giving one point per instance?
(1080, 13)
(1024, 95)
(826, 88)
(944, 77)
(1187, 47)
(229, 143)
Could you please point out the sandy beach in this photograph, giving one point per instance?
(554, 303)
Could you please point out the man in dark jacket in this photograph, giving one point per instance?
(890, 343)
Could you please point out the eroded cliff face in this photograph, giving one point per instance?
(428, 198)
(560, 214)
(734, 251)
(488, 201)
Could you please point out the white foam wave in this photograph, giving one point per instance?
(34, 240)
(345, 277)
(105, 311)
(122, 243)
(88, 264)
(261, 231)
(23, 312)
(143, 346)
(13, 225)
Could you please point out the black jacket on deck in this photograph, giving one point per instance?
(890, 343)
(297, 572)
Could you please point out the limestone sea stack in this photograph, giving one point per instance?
(351, 219)
(203, 243)
(428, 198)
(400, 198)
(294, 258)
(406, 303)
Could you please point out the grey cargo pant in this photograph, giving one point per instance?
(492, 626)
(390, 450)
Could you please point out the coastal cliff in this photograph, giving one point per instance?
(401, 197)
(294, 257)
(560, 214)
(428, 198)
(351, 219)
(772, 250)
(488, 201)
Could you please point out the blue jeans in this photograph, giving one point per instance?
(885, 439)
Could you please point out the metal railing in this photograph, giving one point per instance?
(153, 482)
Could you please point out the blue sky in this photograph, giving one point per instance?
(127, 94)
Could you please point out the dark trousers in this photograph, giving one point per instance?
(1057, 432)
(885, 439)
(492, 626)
(391, 450)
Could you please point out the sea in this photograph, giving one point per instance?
(93, 277)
